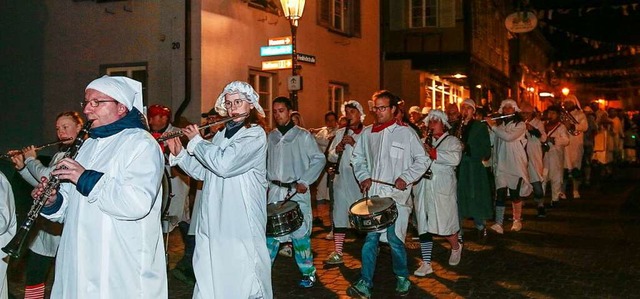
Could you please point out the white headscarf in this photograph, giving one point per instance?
(437, 114)
(122, 89)
(355, 104)
(469, 102)
(509, 102)
(574, 99)
(247, 92)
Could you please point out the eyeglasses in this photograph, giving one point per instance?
(380, 108)
(94, 103)
(235, 103)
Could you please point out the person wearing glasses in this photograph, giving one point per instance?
(231, 258)
(110, 202)
(43, 248)
(294, 163)
(388, 157)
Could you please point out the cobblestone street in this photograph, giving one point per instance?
(586, 248)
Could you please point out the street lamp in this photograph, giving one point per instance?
(565, 91)
(293, 10)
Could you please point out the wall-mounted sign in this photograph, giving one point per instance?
(521, 22)
(294, 82)
(276, 64)
(306, 58)
(279, 41)
(276, 50)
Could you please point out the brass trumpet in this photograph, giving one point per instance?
(221, 121)
(565, 116)
(13, 153)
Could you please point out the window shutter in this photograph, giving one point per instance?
(446, 13)
(324, 13)
(397, 13)
(356, 25)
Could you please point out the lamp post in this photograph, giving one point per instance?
(293, 10)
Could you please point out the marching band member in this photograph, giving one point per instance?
(178, 213)
(345, 187)
(44, 247)
(111, 245)
(511, 170)
(230, 259)
(557, 139)
(474, 190)
(536, 135)
(294, 162)
(574, 151)
(387, 153)
(8, 227)
(435, 203)
(323, 137)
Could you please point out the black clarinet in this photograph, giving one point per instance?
(16, 246)
(429, 141)
(346, 132)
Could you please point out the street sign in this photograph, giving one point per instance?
(276, 64)
(276, 50)
(306, 58)
(279, 41)
(294, 83)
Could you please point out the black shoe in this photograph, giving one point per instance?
(482, 235)
(542, 213)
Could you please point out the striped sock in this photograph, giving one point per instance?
(460, 237)
(425, 250)
(34, 291)
(338, 241)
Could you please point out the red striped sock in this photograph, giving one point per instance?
(338, 240)
(34, 291)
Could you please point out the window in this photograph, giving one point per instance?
(336, 96)
(269, 6)
(262, 82)
(423, 13)
(340, 16)
(135, 71)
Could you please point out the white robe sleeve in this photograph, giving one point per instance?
(7, 211)
(359, 157)
(450, 153)
(561, 136)
(189, 164)
(419, 160)
(332, 155)
(236, 158)
(582, 124)
(510, 133)
(540, 126)
(27, 176)
(316, 160)
(130, 194)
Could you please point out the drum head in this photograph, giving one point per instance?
(369, 206)
(280, 207)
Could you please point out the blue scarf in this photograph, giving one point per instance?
(232, 128)
(133, 119)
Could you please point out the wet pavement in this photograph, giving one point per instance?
(587, 247)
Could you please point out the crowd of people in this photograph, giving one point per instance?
(241, 188)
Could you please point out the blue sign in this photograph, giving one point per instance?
(276, 50)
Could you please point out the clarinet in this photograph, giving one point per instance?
(15, 247)
(346, 132)
(429, 141)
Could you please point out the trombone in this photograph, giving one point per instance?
(12, 153)
(566, 116)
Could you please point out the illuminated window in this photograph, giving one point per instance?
(423, 13)
(336, 96)
(340, 16)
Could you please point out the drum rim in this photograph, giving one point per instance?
(378, 227)
(394, 205)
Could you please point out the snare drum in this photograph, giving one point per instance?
(283, 218)
(373, 214)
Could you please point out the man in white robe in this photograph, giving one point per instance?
(111, 246)
(294, 163)
(345, 187)
(511, 170)
(387, 159)
(557, 139)
(7, 229)
(230, 259)
(574, 151)
(535, 137)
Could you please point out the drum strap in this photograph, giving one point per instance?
(429, 168)
(284, 185)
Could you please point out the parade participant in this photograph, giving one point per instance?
(453, 114)
(574, 151)
(536, 135)
(8, 227)
(387, 153)
(557, 139)
(323, 137)
(345, 187)
(474, 190)
(44, 246)
(589, 137)
(177, 213)
(230, 259)
(296, 117)
(211, 117)
(416, 117)
(435, 203)
(111, 245)
(294, 162)
(511, 173)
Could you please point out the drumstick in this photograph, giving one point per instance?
(388, 184)
(288, 198)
